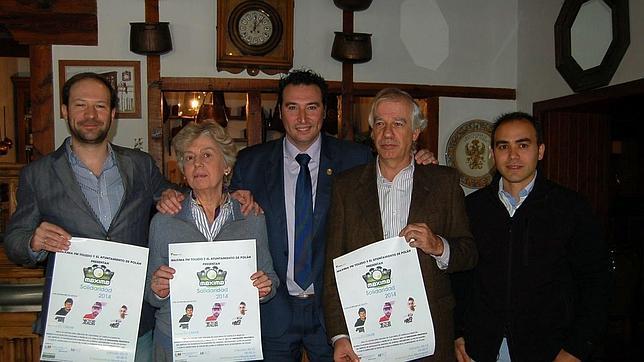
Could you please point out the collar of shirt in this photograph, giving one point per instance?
(394, 199)
(74, 161)
(291, 151)
(208, 230)
(405, 173)
(510, 203)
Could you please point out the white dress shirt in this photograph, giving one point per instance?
(291, 171)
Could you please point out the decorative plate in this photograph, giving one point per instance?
(468, 150)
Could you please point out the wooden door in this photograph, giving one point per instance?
(578, 154)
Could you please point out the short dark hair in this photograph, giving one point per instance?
(69, 300)
(362, 310)
(519, 116)
(189, 306)
(124, 306)
(305, 77)
(114, 97)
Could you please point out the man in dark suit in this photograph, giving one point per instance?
(292, 320)
(539, 292)
(393, 197)
(86, 188)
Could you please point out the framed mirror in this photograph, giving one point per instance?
(591, 38)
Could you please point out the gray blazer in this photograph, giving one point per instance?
(48, 191)
(181, 228)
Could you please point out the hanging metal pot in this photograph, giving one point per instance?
(150, 38)
(351, 47)
(352, 5)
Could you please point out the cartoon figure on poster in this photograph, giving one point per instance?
(90, 318)
(362, 317)
(211, 320)
(411, 305)
(62, 312)
(184, 321)
(242, 312)
(122, 314)
(384, 320)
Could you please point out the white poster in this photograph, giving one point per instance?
(95, 302)
(214, 305)
(384, 302)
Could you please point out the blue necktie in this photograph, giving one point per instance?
(303, 223)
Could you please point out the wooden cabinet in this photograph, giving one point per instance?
(17, 341)
(22, 111)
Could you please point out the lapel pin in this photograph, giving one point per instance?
(329, 171)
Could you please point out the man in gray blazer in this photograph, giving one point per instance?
(394, 197)
(86, 188)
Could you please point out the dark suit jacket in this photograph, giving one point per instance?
(354, 221)
(260, 169)
(48, 191)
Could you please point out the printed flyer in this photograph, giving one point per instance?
(214, 305)
(95, 302)
(383, 297)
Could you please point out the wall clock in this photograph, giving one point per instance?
(256, 35)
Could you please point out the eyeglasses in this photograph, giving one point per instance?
(204, 157)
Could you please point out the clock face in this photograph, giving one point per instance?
(255, 27)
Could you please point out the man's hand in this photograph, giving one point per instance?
(160, 283)
(564, 356)
(425, 157)
(421, 236)
(170, 202)
(49, 237)
(342, 351)
(459, 348)
(247, 202)
(262, 282)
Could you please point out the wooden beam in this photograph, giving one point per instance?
(254, 118)
(346, 123)
(58, 6)
(428, 139)
(422, 91)
(156, 144)
(71, 22)
(42, 99)
(182, 84)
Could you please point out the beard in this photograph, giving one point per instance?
(89, 137)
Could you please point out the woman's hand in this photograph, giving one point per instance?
(262, 283)
(160, 283)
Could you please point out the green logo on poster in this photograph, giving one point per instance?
(98, 274)
(377, 277)
(212, 277)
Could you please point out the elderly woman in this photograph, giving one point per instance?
(206, 155)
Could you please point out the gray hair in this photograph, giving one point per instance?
(418, 122)
(192, 131)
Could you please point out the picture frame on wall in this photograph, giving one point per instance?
(124, 75)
